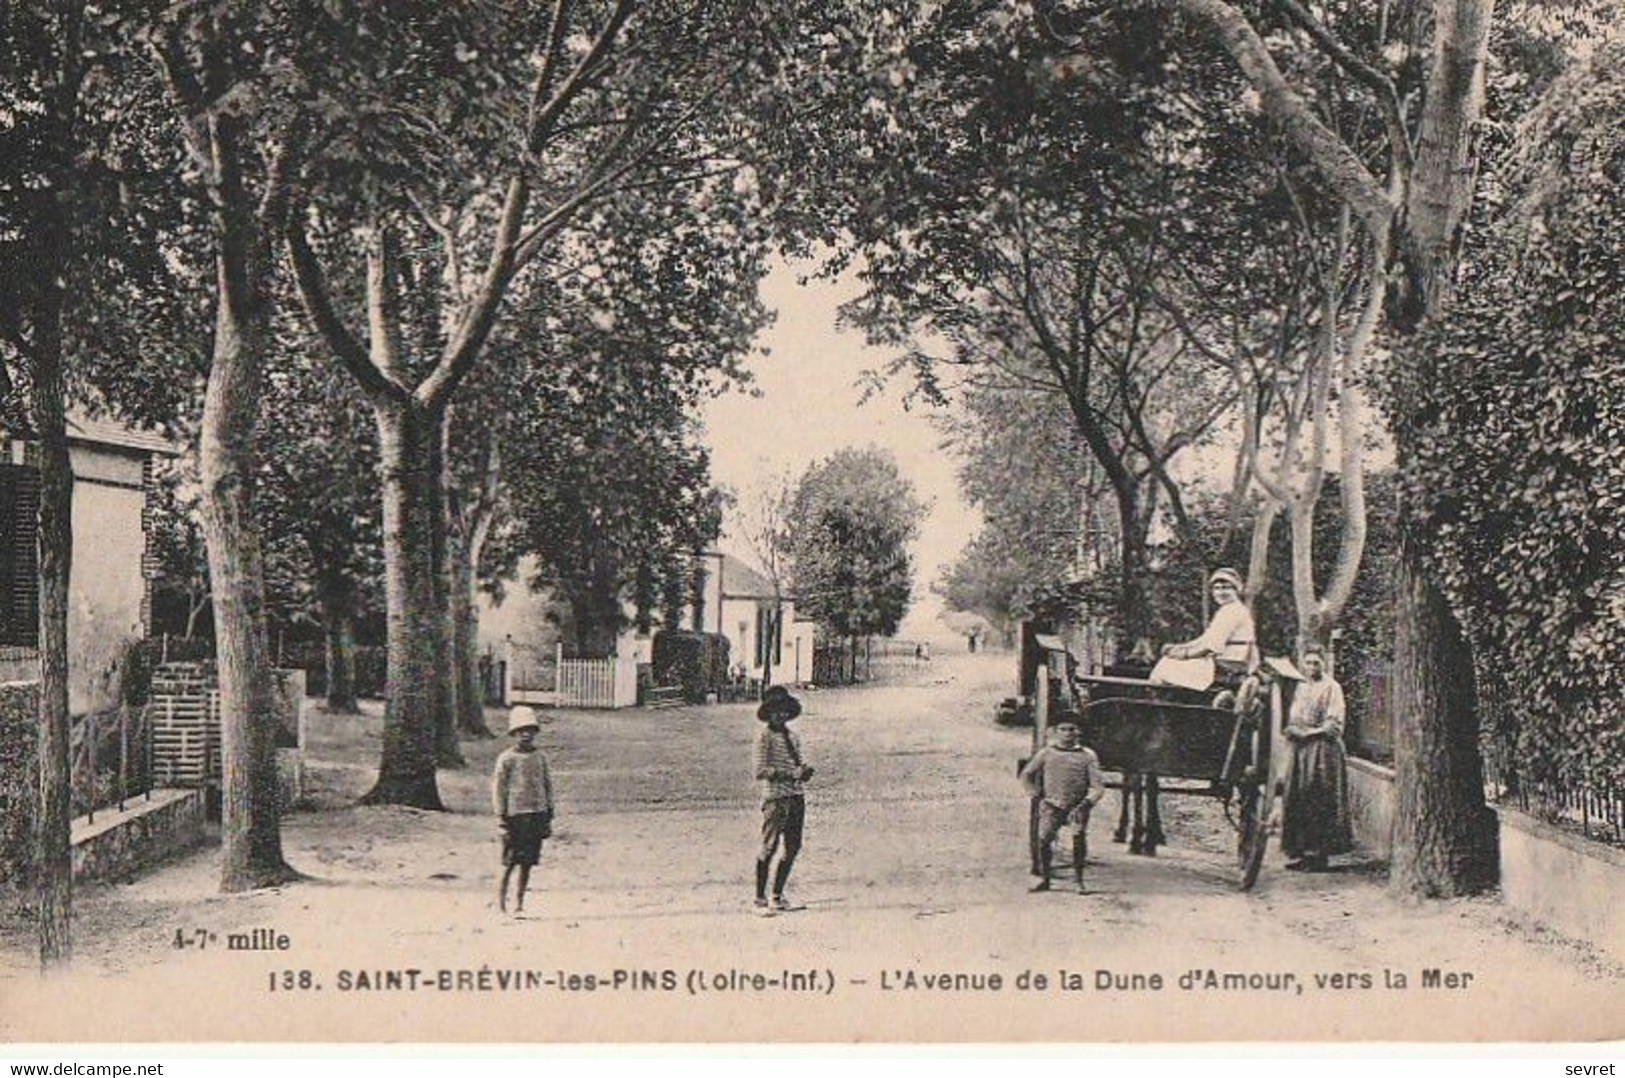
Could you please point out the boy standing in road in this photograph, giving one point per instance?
(782, 774)
(1066, 777)
(522, 796)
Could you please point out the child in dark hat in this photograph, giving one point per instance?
(783, 774)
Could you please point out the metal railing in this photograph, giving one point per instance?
(110, 760)
(1580, 800)
(1596, 809)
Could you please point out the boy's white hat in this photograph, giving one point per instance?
(522, 717)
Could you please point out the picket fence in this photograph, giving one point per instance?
(611, 682)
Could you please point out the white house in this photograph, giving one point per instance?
(739, 603)
(110, 587)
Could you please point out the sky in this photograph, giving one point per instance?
(807, 407)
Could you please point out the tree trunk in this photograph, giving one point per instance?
(338, 624)
(195, 606)
(448, 675)
(595, 607)
(406, 772)
(1444, 834)
(250, 824)
(228, 464)
(466, 644)
(772, 643)
(54, 539)
(1444, 838)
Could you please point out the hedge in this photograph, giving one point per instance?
(696, 661)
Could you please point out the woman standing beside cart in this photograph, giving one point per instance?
(1316, 811)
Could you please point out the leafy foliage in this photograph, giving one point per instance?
(849, 528)
(318, 503)
(696, 661)
(1520, 468)
(91, 226)
(1047, 528)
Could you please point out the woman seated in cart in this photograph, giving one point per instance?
(1230, 639)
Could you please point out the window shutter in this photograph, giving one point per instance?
(19, 560)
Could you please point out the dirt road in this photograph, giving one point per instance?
(919, 924)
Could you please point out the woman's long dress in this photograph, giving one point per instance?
(1316, 822)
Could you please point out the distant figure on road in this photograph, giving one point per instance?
(1315, 823)
(522, 796)
(1066, 776)
(783, 775)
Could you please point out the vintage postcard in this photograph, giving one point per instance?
(713, 522)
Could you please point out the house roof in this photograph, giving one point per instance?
(84, 428)
(740, 581)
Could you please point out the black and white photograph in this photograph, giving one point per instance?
(812, 522)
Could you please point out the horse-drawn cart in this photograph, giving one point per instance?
(1164, 739)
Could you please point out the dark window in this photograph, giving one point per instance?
(19, 575)
(766, 633)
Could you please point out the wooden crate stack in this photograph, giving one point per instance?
(185, 716)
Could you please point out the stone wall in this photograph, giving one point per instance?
(19, 781)
(1567, 882)
(147, 831)
(1372, 804)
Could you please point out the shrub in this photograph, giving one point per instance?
(696, 661)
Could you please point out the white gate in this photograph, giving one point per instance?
(609, 682)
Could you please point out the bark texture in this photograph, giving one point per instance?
(406, 772)
(228, 464)
(54, 539)
(1439, 844)
(1444, 833)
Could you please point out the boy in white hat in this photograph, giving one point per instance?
(522, 795)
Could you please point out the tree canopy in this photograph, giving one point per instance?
(850, 526)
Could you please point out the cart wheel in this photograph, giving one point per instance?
(1252, 837)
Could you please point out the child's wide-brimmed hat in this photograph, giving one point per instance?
(778, 703)
(522, 718)
(1228, 576)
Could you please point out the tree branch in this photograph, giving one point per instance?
(544, 115)
(1374, 80)
(1331, 156)
(329, 326)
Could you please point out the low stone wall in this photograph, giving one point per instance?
(19, 780)
(1563, 880)
(148, 830)
(290, 778)
(1373, 801)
